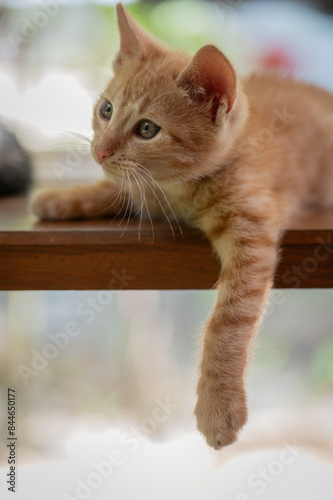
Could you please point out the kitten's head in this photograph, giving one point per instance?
(164, 114)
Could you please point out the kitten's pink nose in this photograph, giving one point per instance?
(102, 153)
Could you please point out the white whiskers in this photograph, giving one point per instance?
(146, 172)
(138, 178)
(129, 206)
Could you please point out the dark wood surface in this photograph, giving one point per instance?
(102, 254)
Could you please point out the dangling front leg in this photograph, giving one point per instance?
(249, 261)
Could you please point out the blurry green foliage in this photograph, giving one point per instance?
(321, 371)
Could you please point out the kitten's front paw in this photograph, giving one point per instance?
(59, 204)
(220, 415)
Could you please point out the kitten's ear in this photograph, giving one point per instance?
(129, 39)
(134, 40)
(210, 77)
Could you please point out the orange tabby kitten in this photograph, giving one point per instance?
(233, 158)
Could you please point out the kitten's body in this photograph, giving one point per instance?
(281, 160)
(235, 160)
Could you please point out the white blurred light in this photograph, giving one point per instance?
(57, 104)
(9, 96)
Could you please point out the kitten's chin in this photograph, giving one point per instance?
(112, 175)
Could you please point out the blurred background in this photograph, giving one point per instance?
(141, 348)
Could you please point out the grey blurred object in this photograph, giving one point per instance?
(15, 165)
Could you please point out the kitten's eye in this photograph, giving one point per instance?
(147, 129)
(106, 110)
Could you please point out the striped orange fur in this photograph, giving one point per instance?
(233, 158)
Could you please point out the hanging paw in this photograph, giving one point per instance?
(220, 414)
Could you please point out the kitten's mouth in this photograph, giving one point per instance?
(120, 173)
